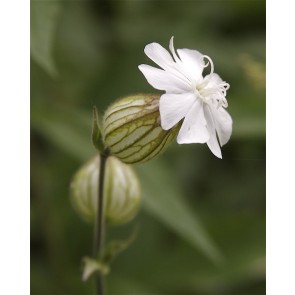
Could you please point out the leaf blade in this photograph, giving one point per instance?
(44, 17)
(162, 198)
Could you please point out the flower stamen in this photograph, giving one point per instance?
(216, 94)
(209, 62)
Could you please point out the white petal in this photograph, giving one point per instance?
(193, 129)
(212, 142)
(223, 124)
(178, 69)
(159, 55)
(214, 146)
(174, 107)
(192, 62)
(163, 80)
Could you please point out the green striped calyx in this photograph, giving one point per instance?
(122, 194)
(132, 131)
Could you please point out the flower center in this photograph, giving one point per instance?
(212, 90)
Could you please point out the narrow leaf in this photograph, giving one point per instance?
(163, 199)
(44, 17)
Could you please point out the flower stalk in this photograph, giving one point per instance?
(99, 225)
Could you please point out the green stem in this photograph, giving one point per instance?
(99, 224)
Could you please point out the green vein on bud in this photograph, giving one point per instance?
(132, 131)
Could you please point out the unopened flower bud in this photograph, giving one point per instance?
(121, 191)
(132, 130)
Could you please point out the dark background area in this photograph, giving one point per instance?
(202, 221)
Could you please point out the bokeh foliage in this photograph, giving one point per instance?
(202, 223)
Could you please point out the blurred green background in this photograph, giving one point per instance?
(202, 221)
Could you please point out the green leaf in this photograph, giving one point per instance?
(249, 128)
(44, 17)
(163, 199)
(67, 129)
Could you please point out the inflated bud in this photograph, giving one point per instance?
(132, 131)
(121, 191)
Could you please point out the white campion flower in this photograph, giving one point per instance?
(199, 100)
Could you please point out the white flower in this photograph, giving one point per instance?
(199, 100)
